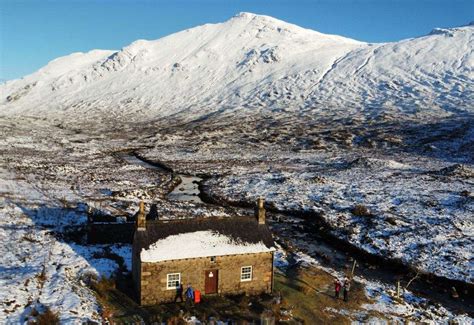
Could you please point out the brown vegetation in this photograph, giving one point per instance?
(102, 286)
(48, 317)
(360, 210)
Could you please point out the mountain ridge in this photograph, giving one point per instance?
(255, 62)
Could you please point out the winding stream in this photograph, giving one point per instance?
(186, 190)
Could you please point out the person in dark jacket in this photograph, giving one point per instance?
(190, 295)
(346, 288)
(337, 287)
(179, 293)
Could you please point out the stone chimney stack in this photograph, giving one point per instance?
(260, 211)
(141, 218)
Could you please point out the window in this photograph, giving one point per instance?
(173, 280)
(246, 273)
(213, 259)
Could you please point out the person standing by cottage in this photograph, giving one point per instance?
(337, 287)
(179, 293)
(346, 288)
(190, 295)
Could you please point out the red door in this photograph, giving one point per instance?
(211, 281)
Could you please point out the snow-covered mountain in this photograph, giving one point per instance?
(251, 63)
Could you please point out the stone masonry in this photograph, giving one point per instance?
(152, 285)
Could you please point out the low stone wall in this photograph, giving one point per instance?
(153, 276)
(110, 233)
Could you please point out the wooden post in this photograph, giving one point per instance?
(398, 289)
(353, 269)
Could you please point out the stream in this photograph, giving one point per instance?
(333, 253)
(186, 190)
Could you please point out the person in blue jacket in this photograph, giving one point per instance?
(189, 295)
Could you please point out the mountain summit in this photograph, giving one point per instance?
(253, 63)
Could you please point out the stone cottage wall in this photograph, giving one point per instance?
(153, 276)
(136, 268)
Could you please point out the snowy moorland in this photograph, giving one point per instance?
(374, 140)
(408, 212)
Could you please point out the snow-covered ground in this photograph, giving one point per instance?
(39, 206)
(420, 212)
(38, 268)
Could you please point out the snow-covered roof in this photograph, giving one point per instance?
(199, 244)
(203, 237)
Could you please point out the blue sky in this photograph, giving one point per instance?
(33, 33)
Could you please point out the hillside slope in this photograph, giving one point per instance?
(253, 62)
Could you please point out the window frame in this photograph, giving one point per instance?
(246, 273)
(168, 281)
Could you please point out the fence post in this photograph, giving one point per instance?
(353, 269)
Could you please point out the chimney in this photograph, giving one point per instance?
(260, 213)
(141, 218)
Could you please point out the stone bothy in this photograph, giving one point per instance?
(230, 255)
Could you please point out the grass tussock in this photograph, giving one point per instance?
(360, 210)
(41, 277)
(102, 286)
(48, 317)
